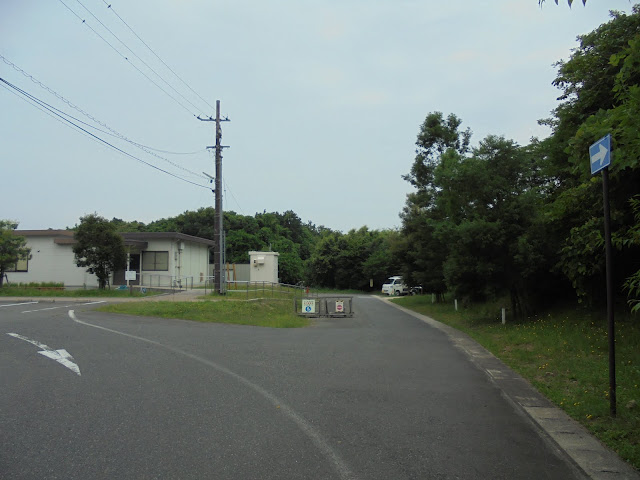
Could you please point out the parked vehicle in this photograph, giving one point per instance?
(416, 290)
(395, 286)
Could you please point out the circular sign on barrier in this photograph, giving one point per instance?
(340, 306)
(143, 290)
(309, 306)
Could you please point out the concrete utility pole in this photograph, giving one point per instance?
(218, 252)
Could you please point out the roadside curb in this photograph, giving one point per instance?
(588, 455)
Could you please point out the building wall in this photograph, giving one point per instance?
(193, 261)
(263, 267)
(187, 262)
(242, 271)
(51, 262)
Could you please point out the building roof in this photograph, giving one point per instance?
(44, 233)
(65, 237)
(146, 236)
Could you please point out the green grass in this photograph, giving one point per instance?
(257, 291)
(262, 313)
(57, 291)
(564, 354)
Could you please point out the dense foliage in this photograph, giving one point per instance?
(308, 254)
(528, 220)
(98, 247)
(495, 218)
(12, 248)
(284, 233)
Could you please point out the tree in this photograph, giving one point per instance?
(600, 96)
(351, 260)
(570, 2)
(12, 248)
(424, 246)
(99, 247)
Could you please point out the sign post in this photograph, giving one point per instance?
(600, 158)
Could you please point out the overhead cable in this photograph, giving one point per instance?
(134, 53)
(227, 189)
(95, 137)
(156, 55)
(130, 62)
(92, 118)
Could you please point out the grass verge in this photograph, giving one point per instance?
(27, 291)
(564, 354)
(258, 290)
(261, 313)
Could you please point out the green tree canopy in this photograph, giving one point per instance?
(12, 248)
(98, 247)
(600, 96)
(570, 2)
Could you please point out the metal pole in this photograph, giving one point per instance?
(218, 206)
(218, 227)
(609, 264)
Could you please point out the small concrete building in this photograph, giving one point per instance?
(159, 259)
(263, 267)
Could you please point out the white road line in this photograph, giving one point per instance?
(17, 304)
(61, 356)
(63, 306)
(44, 309)
(338, 463)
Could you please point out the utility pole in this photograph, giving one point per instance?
(218, 253)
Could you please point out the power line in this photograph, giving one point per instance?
(227, 189)
(33, 104)
(113, 133)
(109, 7)
(134, 53)
(95, 137)
(130, 62)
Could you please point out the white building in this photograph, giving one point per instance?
(263, 267)
(160, 259)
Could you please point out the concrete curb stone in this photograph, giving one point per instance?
(592, 458)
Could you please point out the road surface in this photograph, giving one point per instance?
(381, 395)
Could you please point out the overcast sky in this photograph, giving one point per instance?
(325, 99)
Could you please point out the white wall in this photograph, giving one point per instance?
(190, 261)
(51, 262)
(194, 262)
(263, 267)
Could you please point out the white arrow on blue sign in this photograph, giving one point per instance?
(600, 154)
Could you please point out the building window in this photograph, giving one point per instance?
(155, 261)
(22, 265)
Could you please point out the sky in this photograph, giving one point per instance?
(325, 99)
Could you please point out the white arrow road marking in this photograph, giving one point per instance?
(602, 153)
(61, 356)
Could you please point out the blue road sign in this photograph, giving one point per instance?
(600, 154)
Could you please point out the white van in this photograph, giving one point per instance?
(395, 286)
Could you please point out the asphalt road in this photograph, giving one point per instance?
(377, 396)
